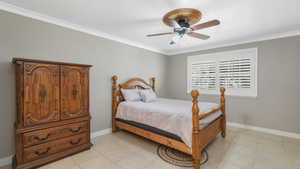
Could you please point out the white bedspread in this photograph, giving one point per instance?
(174, 116)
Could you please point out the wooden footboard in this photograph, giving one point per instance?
(200, 137)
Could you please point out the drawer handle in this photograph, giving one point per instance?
(42, 139)
(43, 153)
(75, 130)
(75, 142)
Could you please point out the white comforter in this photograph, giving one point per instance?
(174, 116)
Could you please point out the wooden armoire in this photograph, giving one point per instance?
(53, 119)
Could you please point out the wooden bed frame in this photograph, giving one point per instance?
(200, 137)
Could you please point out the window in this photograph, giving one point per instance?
(234, 70)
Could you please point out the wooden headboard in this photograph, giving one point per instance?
(132, 83)
(137, 83)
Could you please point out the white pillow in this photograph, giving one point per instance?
(148, 95)
(131, 94)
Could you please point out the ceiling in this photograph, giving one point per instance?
(130, 20)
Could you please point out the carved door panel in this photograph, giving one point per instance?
(74, 91)
(41, 93)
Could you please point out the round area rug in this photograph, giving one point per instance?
(178, 158)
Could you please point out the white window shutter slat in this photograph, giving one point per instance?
(234, 70)
(204, 75)
(235, 73)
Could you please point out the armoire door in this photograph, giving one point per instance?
(74, 91)
(41, 93)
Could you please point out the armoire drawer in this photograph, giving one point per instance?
(45, 149)
(45, 135)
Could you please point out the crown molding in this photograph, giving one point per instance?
(264, 38)
(63, 23)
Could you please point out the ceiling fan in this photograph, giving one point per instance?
(183, 20)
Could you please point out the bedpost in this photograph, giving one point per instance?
(222, 102)
(196, 152)
(114, 103)
(152, 79)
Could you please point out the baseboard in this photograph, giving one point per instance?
(8, 160)
(265, 130)
(100, 133)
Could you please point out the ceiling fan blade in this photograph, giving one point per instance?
(198, 35)
(159, 34)
(174, 23)
(206, 24)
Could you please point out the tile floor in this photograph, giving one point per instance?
(242, 149)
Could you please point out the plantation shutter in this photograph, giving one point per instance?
(204, 75)
(235, 73)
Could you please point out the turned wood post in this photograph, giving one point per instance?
(153, 83)
(114, 102)
(196, 133)
(222, 102)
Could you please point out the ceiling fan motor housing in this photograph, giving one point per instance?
(183, 16)
(181, 31)
(183, 23)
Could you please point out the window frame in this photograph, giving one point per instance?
(251, 53)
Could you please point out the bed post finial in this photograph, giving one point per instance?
(222, 103)
(152, 79)
(196, 134)
(114, 102)
(114, 78)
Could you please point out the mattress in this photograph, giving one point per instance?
(169, 115)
